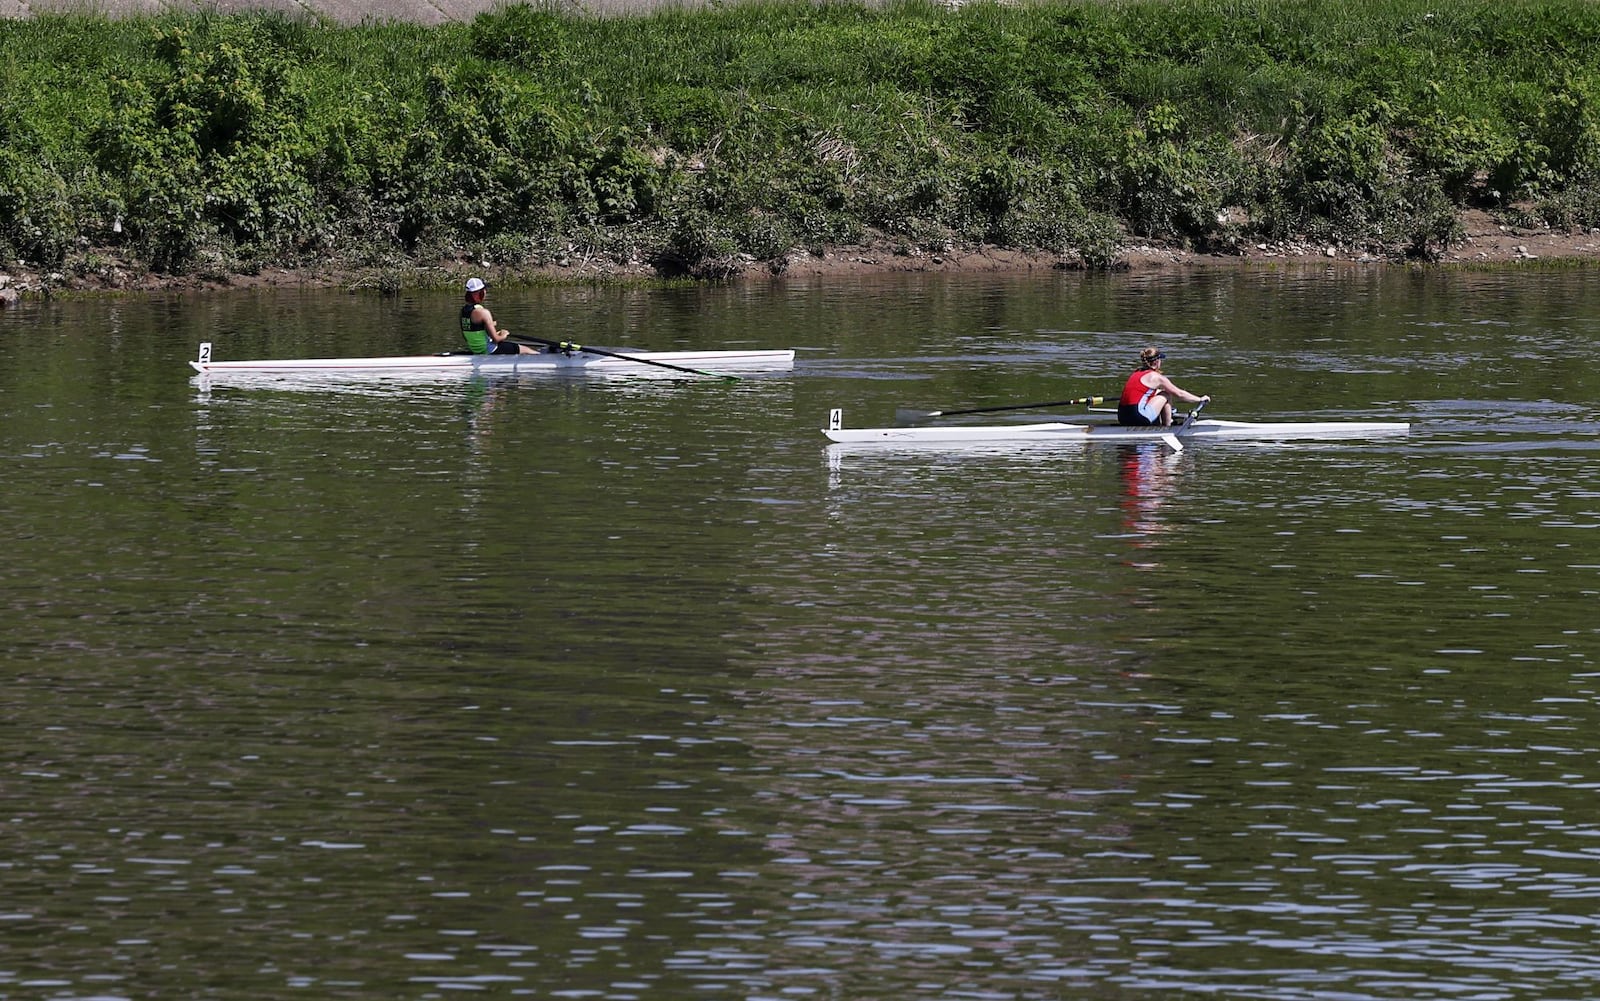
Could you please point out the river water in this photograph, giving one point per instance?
(635, 688)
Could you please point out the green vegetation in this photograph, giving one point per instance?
(700, 139)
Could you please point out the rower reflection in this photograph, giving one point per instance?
(1150, 477)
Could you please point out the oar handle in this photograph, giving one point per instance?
(1194, 413)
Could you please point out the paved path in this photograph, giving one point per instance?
(342, 11)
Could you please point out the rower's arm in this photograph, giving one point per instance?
(494, 332)
(1182, 394)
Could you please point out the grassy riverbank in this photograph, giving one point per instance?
(708, 142)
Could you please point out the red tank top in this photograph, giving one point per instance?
(1135, 389)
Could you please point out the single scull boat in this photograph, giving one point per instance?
(1065, 432)
(615, 361)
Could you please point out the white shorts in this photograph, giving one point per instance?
(1148, 408)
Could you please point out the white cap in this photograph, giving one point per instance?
(474, 284)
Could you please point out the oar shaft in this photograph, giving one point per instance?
(1088, 400)
(1194, 415)
(569, 347)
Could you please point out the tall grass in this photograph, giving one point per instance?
(700, 139)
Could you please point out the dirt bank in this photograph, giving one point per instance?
(1487, 243)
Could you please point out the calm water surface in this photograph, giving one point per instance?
(635, 688)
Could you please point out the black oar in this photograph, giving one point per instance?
(569, 347)
(906, 416)
(1188, 422)
(1194, 415)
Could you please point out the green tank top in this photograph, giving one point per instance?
(475, 334)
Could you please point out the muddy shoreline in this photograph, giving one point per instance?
(1488, 243)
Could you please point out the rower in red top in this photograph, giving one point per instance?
(1147, 396)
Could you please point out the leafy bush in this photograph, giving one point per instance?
(1471, 157)
(214, 145)
(698, 245)
(702, 137)
(1169, 185)
(38, 221)
(521, 35)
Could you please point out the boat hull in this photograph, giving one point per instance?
(1061, 432)
(577, 363)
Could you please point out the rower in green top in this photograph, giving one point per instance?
(478, 328)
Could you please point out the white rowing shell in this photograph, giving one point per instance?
(1058, 431)
(754, 360)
